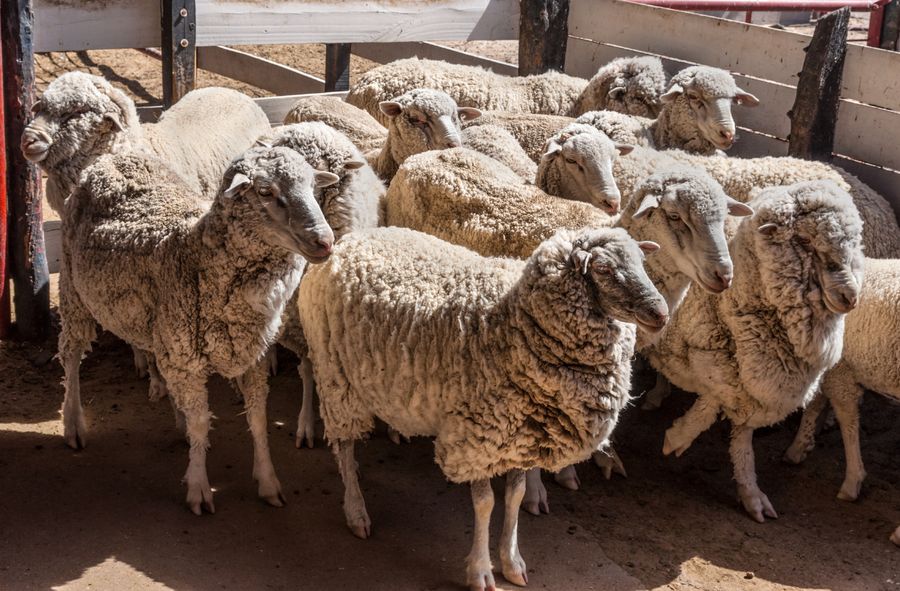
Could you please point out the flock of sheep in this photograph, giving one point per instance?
(488, 253)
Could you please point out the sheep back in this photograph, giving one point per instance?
(362, 129)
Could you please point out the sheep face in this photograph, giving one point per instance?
(423, 120)
(636, 88)
(612, 263)
(685, 210)
(706, 94)
(811, 232)
(78, 115)
(585, 157)
(277, 185)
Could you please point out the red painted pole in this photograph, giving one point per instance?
(5, 315)
(765, 5)
(876, 21)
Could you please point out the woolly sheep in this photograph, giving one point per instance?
(496, 142)
(870, 361)
(739, 177)
(81, 117)
(510, 365)
(352, 203)
(362, 129)
(757, 351)
(630, 85)
(208, 287)
(465, 197)
(470, 86)
(531, 131)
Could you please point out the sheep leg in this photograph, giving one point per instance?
(306, 421)
(140, 365)
(158, 389)
(78, 329)
(191, 398)
(513, 565)
(479, 570)
(255, 389)
(895, 537)
(74, 427)
(396, 437)
(354, 505)
(535, 501)
(609, 461)
(272, 361)
(805, 440)
(754, 500)
(661, 390)
(689, 426)
(845, 395)
(567, 478)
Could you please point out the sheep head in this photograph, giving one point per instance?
(632, 85)
(276, 187)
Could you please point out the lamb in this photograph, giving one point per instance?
(630, 85)
(496, 215)
(510, 365)
(870, 361)
(353, 203)
(207, 284)
(81, 117)
(470, 86)
(362, 129)
(567, 171)
(757, 351)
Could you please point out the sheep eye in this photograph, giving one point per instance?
(264, 191)
(832, 267)
(571, 160)
(417, 121)
(605, 269)
(674, 217)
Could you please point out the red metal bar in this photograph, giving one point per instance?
(765, 5)
(876, 23)
(5, 314)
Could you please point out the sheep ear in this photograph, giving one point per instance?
(325, 179)
(468, 113)
(551, 150)
(648, 247)
(239, 184)
(581, 259)
(615, 93)
(37, 106)
(736, 208)
(742, 97)
(767, 229)
(648, 203)
(390, 108)
(674, 92)
(262, 143)
(115, 120)
(353, 164)
(624, 149)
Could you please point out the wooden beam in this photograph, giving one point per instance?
(5, 312)
(337, 67)
(388, 52)
(815, 110)
(890, 26)
(179, 48)
(257, 71)
(26, 235)
(543, 33)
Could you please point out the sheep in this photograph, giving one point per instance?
(739, 177)
(531, 131)
(510, 365)
(498, 143)
(81, 117)
(353, 203)
(206, 287)
(362, 129)
(757, 351)
(470, 86)
(870, 361)
(467, 198)
(630, 85)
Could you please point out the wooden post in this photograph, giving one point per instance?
(27, 260)
(4, 283)
(815, 110)
(543, 33)
(337, 67)
(179, 49)
(890, 26)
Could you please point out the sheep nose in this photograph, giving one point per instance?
(726, 135)
(325, 245)
(453, 142)
(724, 276)
(611, 206)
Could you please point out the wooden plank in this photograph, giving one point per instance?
(95, 24)
(869, 134)
(543, 33)
(890, 27)
(5, 311)
(752, 50)
(870, 76)
(275, 107)
(388, 52)
(27, 258)
(337, 67)
(815, 110)
(751, 144)
(886, 182)
(257, 71)
(179, 49)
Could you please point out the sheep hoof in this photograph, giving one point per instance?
(672, 444)
(895, 537)
(306, 433)
(757, 504)
(304, 440)
(609, 463)
(568, 478)
(361, 531)
(481, 579)
(200, 498)
(515, 571)
(849, 490)
(276, 500)
(396, 437)
(795, 454)
(75, 433)
(535, 500)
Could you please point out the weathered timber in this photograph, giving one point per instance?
(337, 67)
(543, 33)
(179, 48)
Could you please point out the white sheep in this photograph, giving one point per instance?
(352, 203)
(499, 144)
(362, 129)
(870, 361)
(568, 171)
(757, 351)
(206, 287)
(630, 85)
(530, 130)
(509, 365)
(470, 86)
